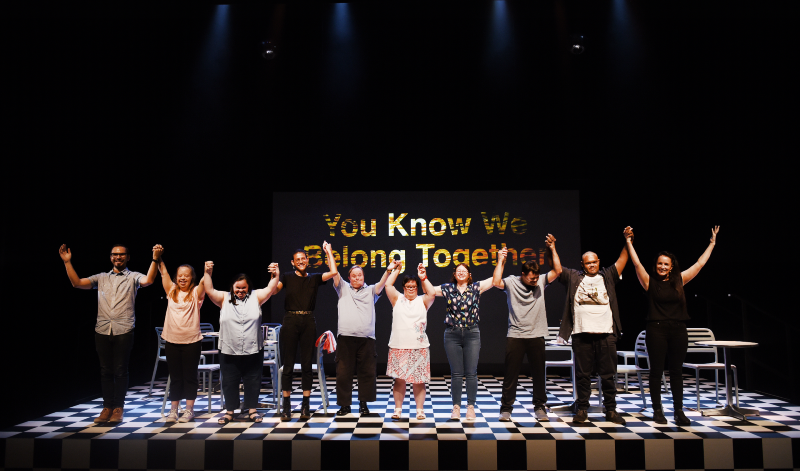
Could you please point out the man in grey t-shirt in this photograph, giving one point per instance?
(113, 332)
(527, 327)
(356, 340)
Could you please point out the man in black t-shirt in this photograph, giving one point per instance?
(299, 328)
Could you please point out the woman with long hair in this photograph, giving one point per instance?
(409, 355)
(182, 337)
(666, 336)
(241, 340)
(462, 336)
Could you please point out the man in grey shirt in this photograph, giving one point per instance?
(527, 327)
(113, 332)
(356, 340)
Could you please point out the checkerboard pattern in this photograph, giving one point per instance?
(70, 439)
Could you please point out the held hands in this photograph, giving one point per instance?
(65, 253)
(713, 235)
(501, 255)
(628, 233)
(326, 247)
(273, 270)
(421, 272)
(210, 268)
(549, 241)
(157, 251)
(392, 266)
(561, 341)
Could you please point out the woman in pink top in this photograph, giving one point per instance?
(182, 337)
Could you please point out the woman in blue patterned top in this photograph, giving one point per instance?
(462, 337)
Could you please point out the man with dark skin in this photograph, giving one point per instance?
(115, 321)
(591, 316)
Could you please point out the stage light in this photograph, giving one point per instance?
(268, 50)
(577, 44)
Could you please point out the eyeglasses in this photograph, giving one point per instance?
(119, 254)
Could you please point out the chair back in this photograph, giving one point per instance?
(640, 350)
(700, 335)
(552, 336)
(160, 340)
(272, 352)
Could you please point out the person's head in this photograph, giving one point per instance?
(530, 273)
(119, 257)
(410, 283)
(356, 275)
(185, 280)
(300, 260)
(240, 287)
(665, 267)
(461, 274)
(590, 263)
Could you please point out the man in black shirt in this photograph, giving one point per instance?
(299, 328)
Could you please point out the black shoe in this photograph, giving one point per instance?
(362, 408)
(305, 409)
(343, 411)
(680, 418)
(613, 416)
(286, 410)
(541, 414)
(658, 416)
(581, 416)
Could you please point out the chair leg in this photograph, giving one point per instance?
(716, 385)
(641, 389)
(664, 380)
(280, 391)
(697, 386)
(152, 380)
(735, 384)
(166, 394)
(626, 383)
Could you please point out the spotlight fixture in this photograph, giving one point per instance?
(268, 50)
(577, 44)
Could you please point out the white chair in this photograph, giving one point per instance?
(626, 355)
(552, 335)
(163, 357)
(272, 359)
(319, 367)
(706, 335)
(204, 329)
(208, 388)
(640, 353)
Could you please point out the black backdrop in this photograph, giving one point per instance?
(128, 126)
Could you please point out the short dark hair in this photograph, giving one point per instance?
(240, 277)
(410, 278)
(119, 245)
(530, 266)
(296, 251)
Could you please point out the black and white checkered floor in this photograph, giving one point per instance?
(724, 441)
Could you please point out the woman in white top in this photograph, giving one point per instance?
(409, 355)
(241, 341)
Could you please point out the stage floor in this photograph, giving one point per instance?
(69, 439)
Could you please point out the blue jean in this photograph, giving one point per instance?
(462, 345)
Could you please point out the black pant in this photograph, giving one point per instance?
(182, 361)
(349, 352)
(595, 353)
(516, 349)
(667, 342)
(245, 369)
(298, 330)
(114, 352)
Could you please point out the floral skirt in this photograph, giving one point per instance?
(410, 364)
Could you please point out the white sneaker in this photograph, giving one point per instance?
(172, 416)
(186, 416)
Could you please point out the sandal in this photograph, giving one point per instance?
(255, 417)
(420, 414)
(226, 419)
(397, 413)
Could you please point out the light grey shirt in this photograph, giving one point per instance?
(356, 309)
(240, 326)
(527, 317)
(116, 295)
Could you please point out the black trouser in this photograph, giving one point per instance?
(595, 353)
(245, 369)
(516, 349)
(349, 352)
(667, 342)
(182, 359)
(298, 330)
(114, 352)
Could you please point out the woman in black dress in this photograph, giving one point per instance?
(667, 339)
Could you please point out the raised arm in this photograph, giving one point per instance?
(331, 263)
(77, 282)
(151, 272)
(216, 297)
(553, 274)
(692, 271)
(391, 291)
(264, 293)
(427, 286)
(166, 281)
(380, 285)
(486, 284)
(497, 276)
(644, 278)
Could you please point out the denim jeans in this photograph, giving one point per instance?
(114, 352)
(462, 345)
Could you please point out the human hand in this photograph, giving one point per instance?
(65, 253)
(421, 272)
(209, 268)
(398, 265)
(157, 251)
(392, 266)
(628, 233)
(561, 341)
(501, 255)
(273, 270)
(550, 241)
(326, 247)
(714, 234)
